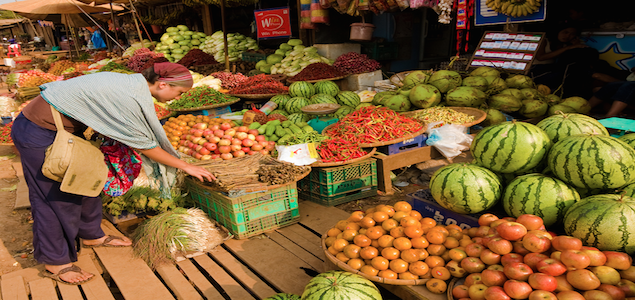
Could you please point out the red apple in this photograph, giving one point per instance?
(606, 275)
(628, 273)
(510, 258)
(211, 146)
(455, 269)
(478, 240)
(495, 223)
(472, 264)
(496, 268)
(261, 138)
(474, 250)
(517, 289)
(575, 259)
(472, 279)
(214, 127)
(493, 277)
(542, 295)
(537, 241)
(460, 291)
(197, 155)
(247, 142)
(542, 281)
(215, 156)
(596, 256)
(477, 291)
(224, 142)
(225, 126)
(627, 286)
(556, 255)
(245, 149)
(511, 231)
(206, 157)
(203, 151)
(219, 133)
(214, 139)
(519, 248)
(490, 257)
(565, 242)
(510, 219)
(227, 137)
(596, 295)
(238, 153)
(531, 222)
(242, 129)
(615, 292)
(517, 271)
(551, 266)
(235, 147)
(486, 219)
(500, 246)
(253, 132)
(569, 295)
(200, 125)
(563, 284)
(618, 260)
(583, 279)
(532, 259)
(482, 231)
(496, 293)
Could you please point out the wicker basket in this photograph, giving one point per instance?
(479, 115)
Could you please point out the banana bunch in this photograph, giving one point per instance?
(514, 8)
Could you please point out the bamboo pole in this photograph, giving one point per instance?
(134, 17)
(222, 13)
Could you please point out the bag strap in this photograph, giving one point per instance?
(58, 119)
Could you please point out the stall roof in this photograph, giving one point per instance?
(5, 22)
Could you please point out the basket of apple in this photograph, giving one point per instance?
(518, 259)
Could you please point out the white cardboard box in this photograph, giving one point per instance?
(332, 51)
(362, 81)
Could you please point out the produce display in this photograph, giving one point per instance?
(259, 84)
(196, 57)
(355, 63)
(178, 127)
(340, 285)
(229, 80)
(285, 132)
(140, 199)
(200, 97)
(143, 58)
(317, 71)
(161, 111)
(115, 67)
(442, 114)
(35, 78)
(136, 46)
(27, 93)
(291, 58)
(236, 44)
(514, 8)
(5, 133)
(177, 41)
(338, 150)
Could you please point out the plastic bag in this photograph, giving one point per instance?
(449, 139)
(299, 155)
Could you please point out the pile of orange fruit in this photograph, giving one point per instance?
(175, 127)
(396, 242)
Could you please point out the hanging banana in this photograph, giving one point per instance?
(514, 8)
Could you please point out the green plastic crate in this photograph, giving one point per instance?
(337, 188)
(253, 57)
(245, 208)
(337, 200)
(258, 226)
(332, 175)
(337, 185)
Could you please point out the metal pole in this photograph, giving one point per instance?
(222, 13)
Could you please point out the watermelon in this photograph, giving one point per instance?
(562, 125)
(283, 296)
(281, 100)
(301, 89)
(340, 285)
(593, 161)
(629, 139)
(539, 195)
(322, 98)
(326, 87)
(465, 188)
(348, 98)
(603, 221)
(295, 104)
(628, 190)
(343, 111)
(298, 117)
(510, 147)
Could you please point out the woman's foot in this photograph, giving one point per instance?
(68, 273)
(108, 241)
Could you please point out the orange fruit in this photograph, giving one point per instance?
(339, 244)
(353, 226)
(418, 268)
(399, 265)
(349, 234)
(374, 232)
(362, 231)
(423, 254)
(435, 237)
(428, 222)
(332, 251)
(402, 206)
(352, 251)
(419, 242)
(341, 225)
(355, 263)
(453, 226)
(434, 261)
(367, 222)
(457, 234)
(389, 210)
(356, 216)
(374, 243)
(333, 232)
(362, 240)
(368, 252)
(457, 254)
(441, 229)
(446, 256)
(451, 242)
(369, 270)
(436, 249)
(409, 221)
(370, 211)
(388, 274)
(415, 214)
(397, 232)
(380, 263)
(436, 286)
(329, 241)
(413, 231)
(408, 276)
(399, 215)
(402, 243)
(380, 216)
(389, 224)
(390, 253)
(385, 241)
(342, 257)
(410, 255)
(441, 273)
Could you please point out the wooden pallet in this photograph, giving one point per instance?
(283, 260)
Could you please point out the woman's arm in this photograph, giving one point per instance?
(161, 156)
(541, 54)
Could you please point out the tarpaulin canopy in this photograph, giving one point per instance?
(69, 12)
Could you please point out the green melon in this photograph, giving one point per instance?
(301, 89)
(340, 285)
(629, 139)
(322, 98)
(298, 117)
(281, 100)
(539, 195)
(562, 125)
(295, 104)
(465, 188)
(283, 296)
(326, 87)
(348, 98)
(279, 111)
(593, 161)
(510, 147)
(343, 111)
(603, 221)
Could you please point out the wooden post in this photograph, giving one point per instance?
(134, 17)
(222, 13)
(208, 25)
(301, 32)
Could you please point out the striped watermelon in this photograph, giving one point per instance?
(279, 111)
(629, 139)
(326, 87)
(593, 161)
(628, 190)
(343, 111)
(562, 125)
(301, 89)
(295, 104)
(540, 195)
(283, 296)
(298, 117)
(348, 98)
(603, 221)
(465, 188)
(281, 100)
(510, 147)
(322, 98)
(340, 285)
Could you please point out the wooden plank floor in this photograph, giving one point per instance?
(283, 260)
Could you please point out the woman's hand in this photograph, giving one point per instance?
(198, 172)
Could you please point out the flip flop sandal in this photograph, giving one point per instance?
(106, 242)
(56, 277)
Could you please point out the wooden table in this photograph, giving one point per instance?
(387, 163)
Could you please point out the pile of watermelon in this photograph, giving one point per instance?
(566, 169)
(303, 93)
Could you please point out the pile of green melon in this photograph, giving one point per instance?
(335, 285)
(177, 41)
(290, 58)
(565, 169)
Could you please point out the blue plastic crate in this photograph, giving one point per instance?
(419, 201)
(409, 144)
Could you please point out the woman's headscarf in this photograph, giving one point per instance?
(174, 74)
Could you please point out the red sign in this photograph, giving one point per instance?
(273, 22)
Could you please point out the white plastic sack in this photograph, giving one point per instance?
(299, 155)
(449, 139)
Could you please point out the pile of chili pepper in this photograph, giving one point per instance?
(316, 71)
(5, 133)
(161, 111)
(260, 84)
(338, 149)
(196, 57)
(373, 124)
(228, 79)
(199, 97)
